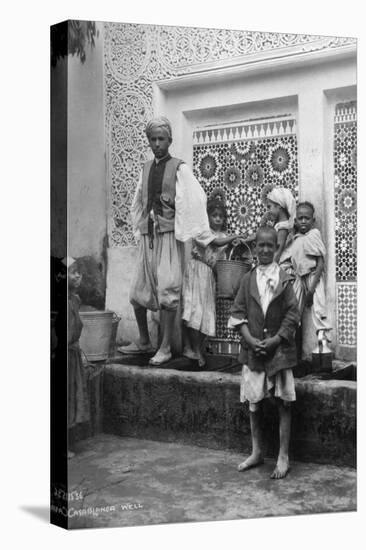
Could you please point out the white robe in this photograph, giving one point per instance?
(304, 251)
(191, 219)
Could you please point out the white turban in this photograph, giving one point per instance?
(159, 122)
(284, 197)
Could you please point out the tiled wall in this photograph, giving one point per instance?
(345, 188)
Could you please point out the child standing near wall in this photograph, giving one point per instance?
(78, 400)
(307, 253)
(199, 285)
(266, 313)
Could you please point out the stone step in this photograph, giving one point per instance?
(203, 408)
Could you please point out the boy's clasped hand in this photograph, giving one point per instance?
(264, 347)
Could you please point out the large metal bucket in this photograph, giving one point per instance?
(230, 273)
(99, 330)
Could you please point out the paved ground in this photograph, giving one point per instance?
(141, 482)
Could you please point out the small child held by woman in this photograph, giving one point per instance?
(282, 211)
(265, 312)
(199, 285)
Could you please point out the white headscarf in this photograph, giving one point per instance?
(159, 122)
(284, 197)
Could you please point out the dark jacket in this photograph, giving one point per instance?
(163, 201)
(282, 318)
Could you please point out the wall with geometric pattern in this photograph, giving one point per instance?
(241, 163)
(345, 207)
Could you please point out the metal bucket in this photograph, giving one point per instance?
(96, 338)
(230, 273)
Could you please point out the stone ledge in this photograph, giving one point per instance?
(203, 408)
(152, 373)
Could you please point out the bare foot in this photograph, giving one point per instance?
(160, 357)
(187, 352)
(136, 348)
(282, 468)
(255, 459)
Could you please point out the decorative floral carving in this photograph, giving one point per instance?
(232, 177)
(348, 201)
(181, 49)
(127, 50)
(208, 166)
(254, 175)
(279, 159)
(242, 210)
(243, 151)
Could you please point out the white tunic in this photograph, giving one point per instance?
(191, 219)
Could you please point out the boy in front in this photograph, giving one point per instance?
(266, 313)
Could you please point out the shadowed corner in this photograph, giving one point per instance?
(40, 512)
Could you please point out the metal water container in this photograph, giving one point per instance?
(322, 355)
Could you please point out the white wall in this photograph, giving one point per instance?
(87, 202)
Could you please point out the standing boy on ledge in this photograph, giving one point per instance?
(266, 313)
(168, 209)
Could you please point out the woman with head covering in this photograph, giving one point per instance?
(169, 207)
(282, 210)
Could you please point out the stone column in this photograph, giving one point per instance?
(312, 185)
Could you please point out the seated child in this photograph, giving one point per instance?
(266, 313)
(199, 285)
(307, 252)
